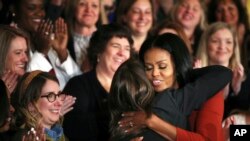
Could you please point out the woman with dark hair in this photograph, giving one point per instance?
(179, 88)
(109, 47)
(130, 91)
(167, 26)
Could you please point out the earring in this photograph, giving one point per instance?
(13, 24)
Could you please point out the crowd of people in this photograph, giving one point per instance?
(111, 70)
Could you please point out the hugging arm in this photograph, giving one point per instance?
(205, 129)
(205, 83)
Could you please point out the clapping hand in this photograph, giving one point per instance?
(59, 43)
(238, 77)
(35, 135)
(67, 105)
(43, 36)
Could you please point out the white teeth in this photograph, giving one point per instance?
(156, 82)
(118, 60)
(21, 66)
(54, 111)
(37, 20)
(187, 16)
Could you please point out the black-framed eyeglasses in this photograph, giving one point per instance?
(51, 96)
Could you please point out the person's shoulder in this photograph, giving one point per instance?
(80, 79)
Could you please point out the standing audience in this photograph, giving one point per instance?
(109, 47)
(190, 14)
(234, 13)
(138, 16)
(53, 57)
(82, 17)
(219, 46)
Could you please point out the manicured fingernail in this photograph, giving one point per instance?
(8, 119)
(32, 129)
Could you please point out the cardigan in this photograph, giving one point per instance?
(89, 120)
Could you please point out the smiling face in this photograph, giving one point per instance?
(189, 13)
(87, 12)
(140, 17)
(30, 14)
(49, 110)
(116, 52)
(159, 69)
(220, 47)
(227, 12)
(17, 56)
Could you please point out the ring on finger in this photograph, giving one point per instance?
(52, 36)
(131, 124)
(46, 33)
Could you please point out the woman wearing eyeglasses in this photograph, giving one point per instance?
(37, 101)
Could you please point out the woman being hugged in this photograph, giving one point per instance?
(179, 90)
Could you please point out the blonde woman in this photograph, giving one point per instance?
(190, 14)
(219, 46)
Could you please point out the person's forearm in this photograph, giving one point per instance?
(162, 127)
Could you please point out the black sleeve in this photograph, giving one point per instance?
(205, 83)
(80, 120)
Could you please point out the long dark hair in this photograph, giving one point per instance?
(4, 103)
(178, 50)
(130, 91)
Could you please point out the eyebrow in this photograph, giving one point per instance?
(53, 92)
(158, 61)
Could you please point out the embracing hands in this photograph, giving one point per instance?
(133, 121)
(238, 77)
